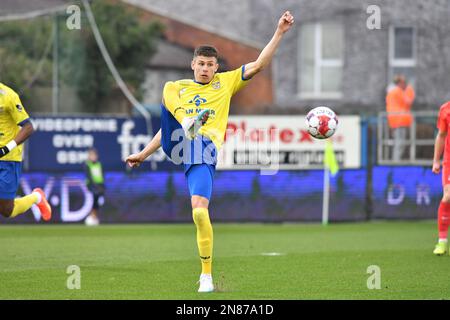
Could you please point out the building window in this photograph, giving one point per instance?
(320, 60)
(402, 53)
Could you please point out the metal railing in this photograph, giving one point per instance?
(418, 145)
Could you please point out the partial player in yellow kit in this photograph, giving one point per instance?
(194, 116)
(15, 128)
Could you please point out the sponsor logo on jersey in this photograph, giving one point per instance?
(197, 100)
(192, 111)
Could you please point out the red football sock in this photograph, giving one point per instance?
(443, 219)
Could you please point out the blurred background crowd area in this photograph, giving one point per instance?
(330, 58)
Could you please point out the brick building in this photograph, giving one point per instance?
(331, 57)
(176, 49)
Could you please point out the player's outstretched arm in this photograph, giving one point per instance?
(438, 150)
(284, 24)
(25, 132)
(136, 159)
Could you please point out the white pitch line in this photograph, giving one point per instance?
(272, 254)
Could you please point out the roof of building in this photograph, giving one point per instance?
(22, 9)
(170, 55)
(149, 5)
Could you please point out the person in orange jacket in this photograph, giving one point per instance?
(398, 106)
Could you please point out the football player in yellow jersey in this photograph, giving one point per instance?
(194, 116)
(15, 128)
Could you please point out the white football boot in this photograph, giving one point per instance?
(206, 283)
(191, 125)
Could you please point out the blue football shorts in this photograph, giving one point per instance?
(10, 172)
(200, 178)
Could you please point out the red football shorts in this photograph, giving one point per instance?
(445, 175)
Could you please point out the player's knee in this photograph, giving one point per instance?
(446, 198)
(200, 215)
(199, 202)
(6, 210)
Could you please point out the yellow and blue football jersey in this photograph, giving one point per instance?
(216, 96)
(12, 116)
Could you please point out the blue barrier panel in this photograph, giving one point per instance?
(60, 144)
(163, 196)
(405, 192)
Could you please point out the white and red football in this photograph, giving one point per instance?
(321, 122)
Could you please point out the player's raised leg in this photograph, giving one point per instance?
(200, 186)
(173, 104)
(11, 208)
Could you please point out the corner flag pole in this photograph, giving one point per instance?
(330, 167)
(326, 195)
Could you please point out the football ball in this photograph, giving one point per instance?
(321, 122)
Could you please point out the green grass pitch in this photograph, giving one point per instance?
(160, 261)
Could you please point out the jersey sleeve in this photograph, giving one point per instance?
(442, 117)
(17, 110)
(172, 101)
(234, 80)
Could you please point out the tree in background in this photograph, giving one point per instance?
(129, 42)
(26, 59)
(24, 51)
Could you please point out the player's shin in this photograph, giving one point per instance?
(21, 205)
(204, 238)
(443, 220)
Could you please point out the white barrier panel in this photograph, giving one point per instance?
(257, 142)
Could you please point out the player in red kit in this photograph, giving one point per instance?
(442, 145)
